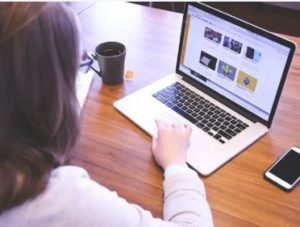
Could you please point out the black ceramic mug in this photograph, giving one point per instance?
(111, 59)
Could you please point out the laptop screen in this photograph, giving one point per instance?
(241, 62)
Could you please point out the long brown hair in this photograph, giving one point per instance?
(39, 53)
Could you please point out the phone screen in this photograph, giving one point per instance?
(288, 168)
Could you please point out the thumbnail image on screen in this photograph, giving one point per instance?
(246, 81)
(232, 44)
(212, 35)
(253, 54)
(226, 70)
(208, 60)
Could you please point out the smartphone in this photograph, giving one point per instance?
(285, 172)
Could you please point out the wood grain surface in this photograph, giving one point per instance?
(117, 153)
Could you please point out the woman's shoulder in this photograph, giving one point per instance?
(72, 180)
(70, 191)
(67, 173)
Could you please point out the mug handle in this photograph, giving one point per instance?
(93, 57)
(88, 59)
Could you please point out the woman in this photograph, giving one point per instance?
(39, 58)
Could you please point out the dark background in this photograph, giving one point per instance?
(274, 18)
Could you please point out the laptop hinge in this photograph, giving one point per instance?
(221, 99)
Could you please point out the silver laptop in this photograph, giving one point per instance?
(228, 81)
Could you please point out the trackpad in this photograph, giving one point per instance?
(169, 118)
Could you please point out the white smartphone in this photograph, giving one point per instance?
(285, 172)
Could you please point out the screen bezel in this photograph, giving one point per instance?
(240, 109)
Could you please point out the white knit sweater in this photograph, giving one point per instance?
(73, 199)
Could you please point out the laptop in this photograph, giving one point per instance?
(228, 80)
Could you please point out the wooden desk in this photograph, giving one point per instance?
(117, 154)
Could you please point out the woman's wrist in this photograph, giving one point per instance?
(180, 162)
(174, 169)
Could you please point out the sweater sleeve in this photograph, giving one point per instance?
(184, 205)
(185, 201)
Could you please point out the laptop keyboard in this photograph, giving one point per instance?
(213, 120)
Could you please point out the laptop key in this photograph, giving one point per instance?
(184, 108)
(206, 129)
(184, 114)
(176, 102)
(217, 136)
(206, 116)
(210, 133)
(245, 125)
(215, 128)
(177, 85)
(226, 123)
(231, 126)
(163, 100)
(169, 104)
(210, 125)
(215, 116)
(225, 135)
(189, 111)
(237, 130)
(230, 132)
(195, 115)
(223, 127)
(221, 141)
(200, 125)
(240, 126)
(221, 120)
(233, 122)
(217, 123)
(212, 120)
(199, 118)
(204, 121)
(164, 94)
(228, 118)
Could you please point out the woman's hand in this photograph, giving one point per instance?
(170, 147)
